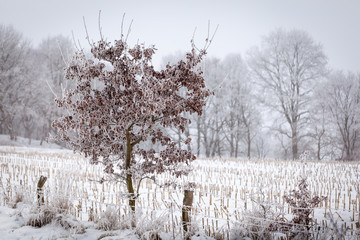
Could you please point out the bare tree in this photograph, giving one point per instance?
(287, 65)
(236, 74)
(261, 145)
(212, 121)
(321, 128)
(120, 100)
(342, 98)
(230, 120)
(250, 120)
(318, 126)
(53, 55)
(241, 116)
(14, 52)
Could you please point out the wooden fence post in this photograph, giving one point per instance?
(187, 205)
(40, 191)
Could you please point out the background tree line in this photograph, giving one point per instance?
(30, 78)
(279, 100)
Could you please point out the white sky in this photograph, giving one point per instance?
(170, 24)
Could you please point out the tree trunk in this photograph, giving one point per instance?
(129, 178)
(198, 136)
(28, 135)
(231, 146)
(319, 149)
(45, 132)
(130, 188)
(11, 131)
(248, 144)
(206, 144)
(294, 142)
(236, 151)
(187, 135)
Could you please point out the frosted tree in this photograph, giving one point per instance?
(52, 56)
(287, 65)
(14, 53)
(321, 128)
(120, 101)
(228, 124)
(236, 73)
(341, 96)
(177, 134)
(209, 125)
(242, 118)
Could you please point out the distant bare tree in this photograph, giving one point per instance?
(14, 52)
(236, 74)
(321, 130)
(210, 124)
(52, 54)
(241, 116)
(230, 119)
(250, 120)
(261, 146)
(343, 100)
(287, 65)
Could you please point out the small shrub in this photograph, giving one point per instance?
(109, 220)
(253, 227)
(6, 191)
(61, 202)
(258, 223)
(45, 214)
(302, 206)
(61, 197)
(70, 224)
(150, 229)
(42, 216)
(18, 196)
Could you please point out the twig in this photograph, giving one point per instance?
(74, 42)
(100, 30)
(122, 26)
(87, 34)
(47, 82)
(219, 85)
(211, 39)
(129, 30)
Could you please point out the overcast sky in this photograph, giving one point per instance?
(169, 25)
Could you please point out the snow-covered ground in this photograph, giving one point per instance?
(226, 192)
(13, 226)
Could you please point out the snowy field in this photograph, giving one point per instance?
(227, 192)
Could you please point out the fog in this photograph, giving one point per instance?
(170, 24)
